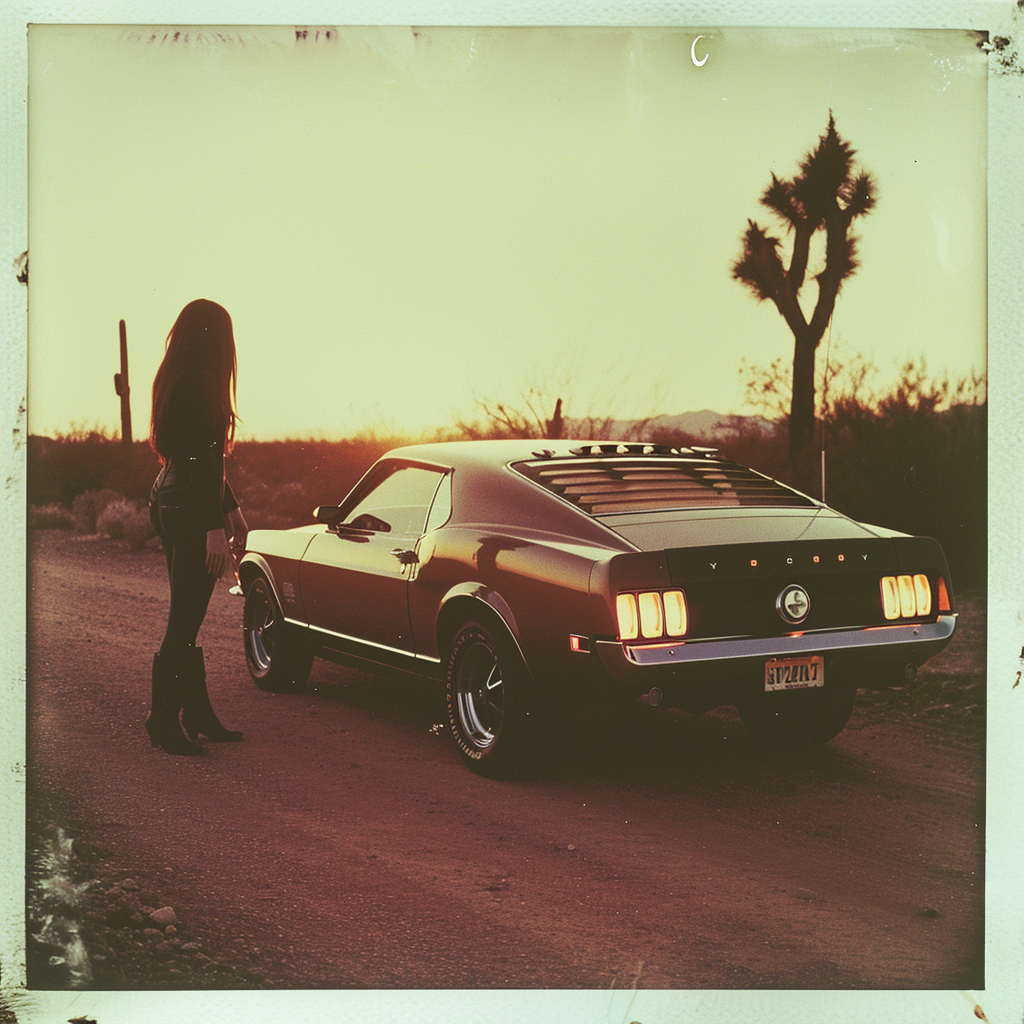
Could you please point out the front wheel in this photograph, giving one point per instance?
(799, 718)
(490, 703)
(277, 661)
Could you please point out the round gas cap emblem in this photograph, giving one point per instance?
(793, 603)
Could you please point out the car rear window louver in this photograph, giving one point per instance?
(607, 482)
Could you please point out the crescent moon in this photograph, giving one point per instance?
(693, 53)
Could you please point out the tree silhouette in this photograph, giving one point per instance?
(828, 194)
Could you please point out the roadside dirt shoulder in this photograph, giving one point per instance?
(83, 893)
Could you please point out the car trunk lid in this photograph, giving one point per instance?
(735, 572)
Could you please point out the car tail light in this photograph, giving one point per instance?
(907, 597)
(923, 594)
(629, 622)
(675, 613)
(906, 588)
(651, 614)
(944, 605)
(890, 597)
(652, 618)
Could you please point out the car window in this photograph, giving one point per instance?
(400, 501)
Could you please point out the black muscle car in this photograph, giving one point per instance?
(530, 575)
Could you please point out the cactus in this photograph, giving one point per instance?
(123, 390)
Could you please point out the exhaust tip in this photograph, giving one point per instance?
(655, 697)
(910, 673)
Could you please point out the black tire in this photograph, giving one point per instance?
(277, 660)
(491, 704)
(799, 718)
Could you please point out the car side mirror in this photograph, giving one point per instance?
(329, 514)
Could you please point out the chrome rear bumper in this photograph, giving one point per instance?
(903, 639)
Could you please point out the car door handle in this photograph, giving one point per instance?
(405, 556)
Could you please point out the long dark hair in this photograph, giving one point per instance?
(201, 344)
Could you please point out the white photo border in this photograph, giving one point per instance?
(1003, 998)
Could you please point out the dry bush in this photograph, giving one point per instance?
(51, 517)
(62, 467)
(124, 520)
(89, 506)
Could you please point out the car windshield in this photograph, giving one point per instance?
(631, 484)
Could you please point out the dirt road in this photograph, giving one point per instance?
(343, 844)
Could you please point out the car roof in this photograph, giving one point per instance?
(501, 451)
(606, 482)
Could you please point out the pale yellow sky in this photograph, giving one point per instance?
(403, 222)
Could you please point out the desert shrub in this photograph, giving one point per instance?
(59, 468)
(124, 520)
(278, 483)
(267, 506)
(89, 506)
(51, 517)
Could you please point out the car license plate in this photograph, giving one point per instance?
(794, 673)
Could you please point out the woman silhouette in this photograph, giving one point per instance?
(194, 512)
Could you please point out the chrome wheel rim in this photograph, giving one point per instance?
(259, 631)
(480, 691)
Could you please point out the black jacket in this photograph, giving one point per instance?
(191, 440)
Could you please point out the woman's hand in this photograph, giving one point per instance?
(217, 552)
(237, 528)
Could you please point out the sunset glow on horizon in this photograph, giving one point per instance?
(405, 222)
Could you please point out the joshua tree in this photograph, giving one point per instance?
(828, 194)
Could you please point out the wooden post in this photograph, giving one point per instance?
(122, 388)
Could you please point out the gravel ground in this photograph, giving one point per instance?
(80, 899)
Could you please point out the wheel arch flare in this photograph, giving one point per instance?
(254, 565)
(474, 600)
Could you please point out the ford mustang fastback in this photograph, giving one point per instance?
(530, 576)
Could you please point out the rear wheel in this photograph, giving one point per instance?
(490, 701)
(277, 661)
(799, 718)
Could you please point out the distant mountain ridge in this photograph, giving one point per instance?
(707, 424)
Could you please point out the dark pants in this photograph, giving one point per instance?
(183, 535)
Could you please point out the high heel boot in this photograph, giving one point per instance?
(199, 718)
(162, 724)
